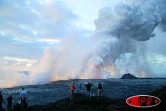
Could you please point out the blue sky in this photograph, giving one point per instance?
(28, 27)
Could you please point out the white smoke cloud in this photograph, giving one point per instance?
(117, 46)
(25, 25)
(64, 61)
(161, 7)
(10, 68)
(129, 20)
(162, 12)
(130, 23)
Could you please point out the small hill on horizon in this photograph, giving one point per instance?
(128, 76)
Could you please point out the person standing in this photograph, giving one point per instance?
(3, 106)
(23, 96)
(72, 91)
(100, 89)
(17, 106)
(1, 100)
(9, 103)
(88, 88)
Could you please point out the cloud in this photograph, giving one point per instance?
(161, 7)
(20, 59)
(129, 20)
(118, 45)
(10, 69)
(27, 28)
(50, 41)
(25, 23)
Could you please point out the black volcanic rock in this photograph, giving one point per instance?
(128, 76)
(83, 103)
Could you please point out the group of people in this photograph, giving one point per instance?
(8, 105)
(22, 103)
(99, 87)
(88, 88)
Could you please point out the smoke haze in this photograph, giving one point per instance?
(118, 44)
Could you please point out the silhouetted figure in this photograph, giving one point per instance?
(3, 106)
(9, 102)
(100, 89)
(23, 96)
(1, 100)
(80, 86)
(88, 88)
(72, 91)
(17, 106)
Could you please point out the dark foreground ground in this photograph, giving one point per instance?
(82, 103)
(114, 88)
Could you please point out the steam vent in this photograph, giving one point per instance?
(128, 76)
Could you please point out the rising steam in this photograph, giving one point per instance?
(117, 41)
(117, 45)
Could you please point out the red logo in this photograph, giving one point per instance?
(143, 101)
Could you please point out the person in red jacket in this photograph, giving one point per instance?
(72, 91)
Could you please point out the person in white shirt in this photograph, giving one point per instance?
(23, 95)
